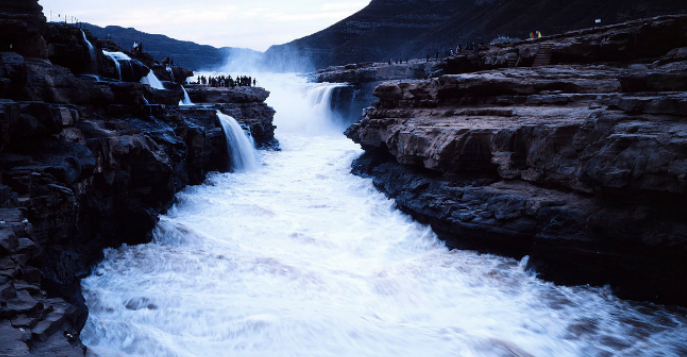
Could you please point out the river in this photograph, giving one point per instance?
(301, 258)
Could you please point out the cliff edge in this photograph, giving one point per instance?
(582, 167)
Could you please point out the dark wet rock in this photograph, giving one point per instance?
(86, 163)
(67, 48)
(22, 24)
(140, 303)
(644, 78)
(56, 84)
(171, 95)
(12, 74)
(13, 342)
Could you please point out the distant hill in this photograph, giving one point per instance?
(392, 29)
(185, 53)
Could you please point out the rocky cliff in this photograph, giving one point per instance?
(400, 29)
(582, 166)
(87, 161)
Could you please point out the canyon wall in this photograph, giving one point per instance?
(582, 167)
(87, 162)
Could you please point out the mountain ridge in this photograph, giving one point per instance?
(185, 53)
(400, 29)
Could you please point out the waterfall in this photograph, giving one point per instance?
(242, 150)
(91, 51)
(305, 108)
(116, 57)
(151, 80)
(187, 99)
(302, 258)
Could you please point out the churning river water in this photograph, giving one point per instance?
(301, 258)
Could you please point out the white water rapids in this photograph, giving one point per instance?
(300, 258)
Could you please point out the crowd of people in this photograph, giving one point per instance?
(227, 81)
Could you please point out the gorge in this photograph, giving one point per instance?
(485, 204)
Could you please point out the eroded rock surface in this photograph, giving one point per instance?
(581, 167)
(88, 160)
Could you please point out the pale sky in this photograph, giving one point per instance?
(255, 24)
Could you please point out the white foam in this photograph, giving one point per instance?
(301, 258)
(244, 157)
(187, 100)
(151, 80)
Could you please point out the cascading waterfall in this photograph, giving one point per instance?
(301, 258)
(305, 108)
(187, 99)
(116, 57)
(244, 157)
(91, 51)
(151, 80)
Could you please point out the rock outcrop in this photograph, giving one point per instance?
(374, 72)
(87, 162)
(581, 167)
(246, 105)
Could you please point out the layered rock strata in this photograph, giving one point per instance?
(374, 72)
(634, 41)
(246, 105)
(583, 168)
(87, 162)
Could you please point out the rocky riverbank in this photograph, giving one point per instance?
(89, 157)
(582, 166)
